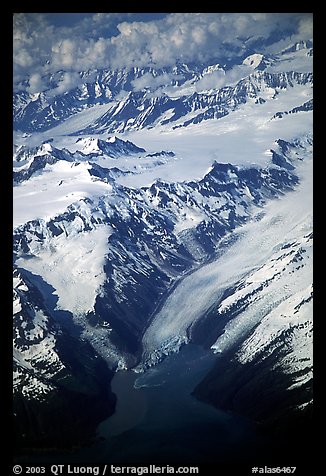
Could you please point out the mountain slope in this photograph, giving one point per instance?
(56, 376)
(40, 111)
(138, 110)
(131, 91)
(192, 223)
(144, 239)
(266, 344)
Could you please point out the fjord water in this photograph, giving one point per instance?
(158, 421)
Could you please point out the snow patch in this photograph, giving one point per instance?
(61, 184)
(285, 219)
(74, 267)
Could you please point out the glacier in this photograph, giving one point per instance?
(255, 243)
(145, 220)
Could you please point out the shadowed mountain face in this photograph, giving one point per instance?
(61, 387)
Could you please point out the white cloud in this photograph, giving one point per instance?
(23, 58)
(104, 41)
(67, 82)
(149, 81)
(196, 36)
(213, 80)
(218, 79)
(36, 83)
(122, 95)
(305, 30)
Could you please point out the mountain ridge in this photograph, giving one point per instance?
(170, 214)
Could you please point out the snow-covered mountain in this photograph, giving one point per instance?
(266, 347)
(54, 372)
(132, 101)
(29, 161)
(154, 235)
(138, 111)
(41, 111)
(148, 217)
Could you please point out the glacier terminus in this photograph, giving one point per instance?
(163, 226)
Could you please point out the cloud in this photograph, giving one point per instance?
(36, 83)
(149, 81)
(79, 54)
(42, 48)
(122, 95)
(218, 79)
(305, 30)
(115, 41)
(196, 36)
(67, 82)
(200, 36)
(214, 80)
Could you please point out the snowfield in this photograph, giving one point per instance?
(244, 137)
(142, 233)
(257, 245)
(74, 267)
(50, 193)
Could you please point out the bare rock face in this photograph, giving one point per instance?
(119, 260)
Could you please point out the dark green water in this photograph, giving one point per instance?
(157, 421)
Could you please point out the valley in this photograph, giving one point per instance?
(163, 226)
